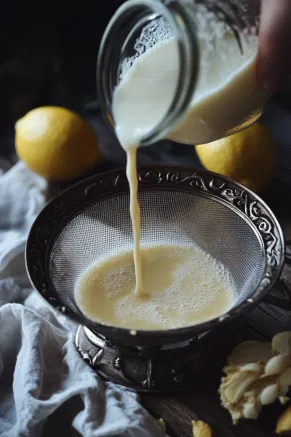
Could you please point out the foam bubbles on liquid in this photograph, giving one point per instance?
(154, 33)
(184, 285)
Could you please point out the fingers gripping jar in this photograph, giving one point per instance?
(187, 69)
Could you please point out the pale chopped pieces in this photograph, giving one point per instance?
(257, 374)
(251, 407)
(251, 352)
(251, 367)
(269, 394)
(201, 429)
(283, 426)
(277, 364)
(235, 391)
(281, 343)
(161, 422)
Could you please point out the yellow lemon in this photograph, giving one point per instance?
(248, 157)
(284, 423)
(56, 143)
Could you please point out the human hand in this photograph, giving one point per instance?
(274, 57)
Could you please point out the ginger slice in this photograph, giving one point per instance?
(201, 429)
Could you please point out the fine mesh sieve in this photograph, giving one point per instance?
(178, 206)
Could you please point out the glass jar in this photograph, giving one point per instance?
(215, 39)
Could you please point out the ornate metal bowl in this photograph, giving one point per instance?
(183, 205)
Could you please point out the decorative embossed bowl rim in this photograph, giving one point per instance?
(72, 201)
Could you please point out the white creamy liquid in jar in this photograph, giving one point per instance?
(145, 93)
(226, 92)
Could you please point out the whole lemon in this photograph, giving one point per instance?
(56, 143)
(283, 426)
(248, 157)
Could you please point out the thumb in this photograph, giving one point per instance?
(274, 57)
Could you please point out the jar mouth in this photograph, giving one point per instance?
(121, 34)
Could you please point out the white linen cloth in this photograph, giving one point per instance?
(40, 370)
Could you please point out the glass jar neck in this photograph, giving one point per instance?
(121, 34)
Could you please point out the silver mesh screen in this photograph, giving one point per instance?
(169, 217)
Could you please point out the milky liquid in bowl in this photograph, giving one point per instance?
(183, 286)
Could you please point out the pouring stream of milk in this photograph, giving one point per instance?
(226, 93)
(131, 172)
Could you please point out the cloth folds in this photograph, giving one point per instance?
(40, 369)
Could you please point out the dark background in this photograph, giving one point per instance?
(48, 54)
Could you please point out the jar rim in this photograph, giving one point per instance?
(113, 44)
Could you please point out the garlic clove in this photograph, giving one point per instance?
(252, 406)
(277, 364)
(251, 367)
(269, 394)
(233, 378)
(281, 343)
(235, 391)
(250, 352)
(249, 411)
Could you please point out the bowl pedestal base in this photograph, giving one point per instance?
(168, 368)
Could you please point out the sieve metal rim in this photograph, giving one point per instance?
(71, 202)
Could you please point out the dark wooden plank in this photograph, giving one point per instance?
(203, 403)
